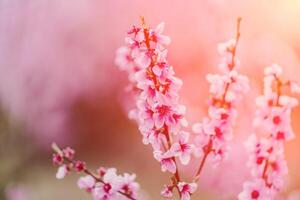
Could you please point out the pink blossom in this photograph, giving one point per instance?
(255, 190)
(166, 160)
(158, 113)
(128, 185)
(226, 51)
(157, 35)
(86, 182)
(266, 154)
(101, 171)
(109, 188)
(226, 89)
(79, 166)
(186, 189)
(62, 172)
(169, 115)
(182, 148)
(167, 191)
(201, 140)
(217, 132)
(57, 159)
(68, 152)
(272, 70)
(124, 59)
(156, 138)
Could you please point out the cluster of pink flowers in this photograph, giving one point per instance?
(105, 184)
(273, 117)
(226, 89)
(159, 115)
(161, 121)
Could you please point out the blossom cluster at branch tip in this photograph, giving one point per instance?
(106, 184)
(158, 113)
(226, 90)
(266, 154)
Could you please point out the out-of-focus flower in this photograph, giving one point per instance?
(255, 190)
(16, 192)
(86, 182)
(79, 166)
(167, 191)
(62, 172)
(266, 155)
(215, 131)
(57, 159)
(68, 153)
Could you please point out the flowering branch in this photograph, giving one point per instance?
(266, 160)
(159, 115)
(225, 90)
(161, 121)
(157, 84)
(105, 185)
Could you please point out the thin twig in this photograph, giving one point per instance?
(57, 150)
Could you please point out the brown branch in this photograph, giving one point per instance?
(207, 152)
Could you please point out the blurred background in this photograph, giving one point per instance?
(58, 82)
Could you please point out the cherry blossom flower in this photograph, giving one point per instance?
(266, 154)
(86, 182)
(157, 35)
(68, 153)
(186, 189)
(182, 148)
(167, 191)
(57, 159)
(255, 190)
(166, 160)
(79, 166)
(228, 60)
(128, 185)
(110, 187)
(159, 115)
(273, 70)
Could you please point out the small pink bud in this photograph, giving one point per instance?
(69, 153)
(101, 171)
(57, 159)
(79, 166)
